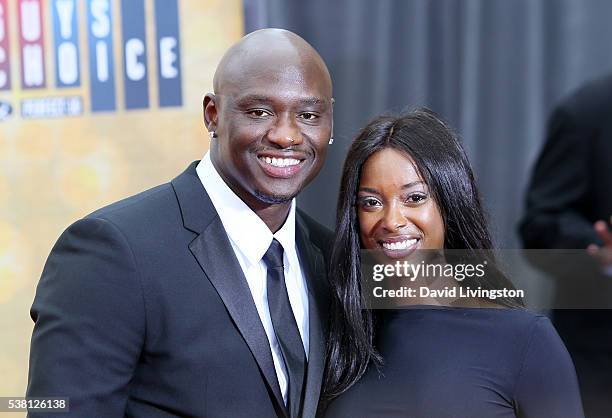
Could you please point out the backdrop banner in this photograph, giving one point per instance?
(99, 99)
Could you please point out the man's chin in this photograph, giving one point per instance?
(273, 199)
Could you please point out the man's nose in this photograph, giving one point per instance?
(285, 132)
(393, 218)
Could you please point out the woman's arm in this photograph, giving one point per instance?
(547, 385)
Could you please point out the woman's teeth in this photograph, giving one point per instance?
(400, 245)
(280, 162)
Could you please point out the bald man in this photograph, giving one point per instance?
(205, 296)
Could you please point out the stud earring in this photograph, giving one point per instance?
(212, 134)
(331, 141)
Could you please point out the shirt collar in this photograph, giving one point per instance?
(244, 228)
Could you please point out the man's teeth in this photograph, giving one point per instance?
(401, 245)
(280, 162)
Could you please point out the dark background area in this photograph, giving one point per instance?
(493, 69)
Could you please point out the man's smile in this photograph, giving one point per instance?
(280, 166)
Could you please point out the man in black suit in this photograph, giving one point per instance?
(206, 296)
(569, 203)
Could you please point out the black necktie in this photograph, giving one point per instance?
(285, 326)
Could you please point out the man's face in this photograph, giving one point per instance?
(273, 124)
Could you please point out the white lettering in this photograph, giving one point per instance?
(65, 10)
(101, 24)
(133, 49)
(3, 75)
(68, 64)
(167, 57)
(2, 29)
(33, 74)
(75, 106)
(377, 272)
(30, 20)
(101, 61)
(51, 107)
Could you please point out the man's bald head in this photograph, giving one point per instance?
(268, 51)
(271, 115)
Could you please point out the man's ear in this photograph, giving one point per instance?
(209, 106)
(333, 101)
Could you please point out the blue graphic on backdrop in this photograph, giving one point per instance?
(101, 32)
(101, 63)
(168, 53)
(66, 42)
(135, 79)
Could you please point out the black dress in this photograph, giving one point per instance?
(465, 363)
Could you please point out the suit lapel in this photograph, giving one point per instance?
(215, 255)
(313, 266)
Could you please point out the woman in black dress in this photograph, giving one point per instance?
(407, 186)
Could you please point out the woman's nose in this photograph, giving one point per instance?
(394, 219)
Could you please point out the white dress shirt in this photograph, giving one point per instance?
(250, 239)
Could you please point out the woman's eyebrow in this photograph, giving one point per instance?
(368, 190)
(412, 184)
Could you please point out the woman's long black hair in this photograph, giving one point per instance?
(442, 163)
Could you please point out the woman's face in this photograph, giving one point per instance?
(396, 211)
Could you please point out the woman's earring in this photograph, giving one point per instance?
(331, 141)
(212, 134)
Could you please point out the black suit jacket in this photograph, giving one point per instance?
(571, 185)
(143, 310)
(570, 189)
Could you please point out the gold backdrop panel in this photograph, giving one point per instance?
(60, 160)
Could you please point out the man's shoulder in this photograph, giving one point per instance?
(139, 206)
(145, 220)
(319, 234)
(591, 101)
(159, 197)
